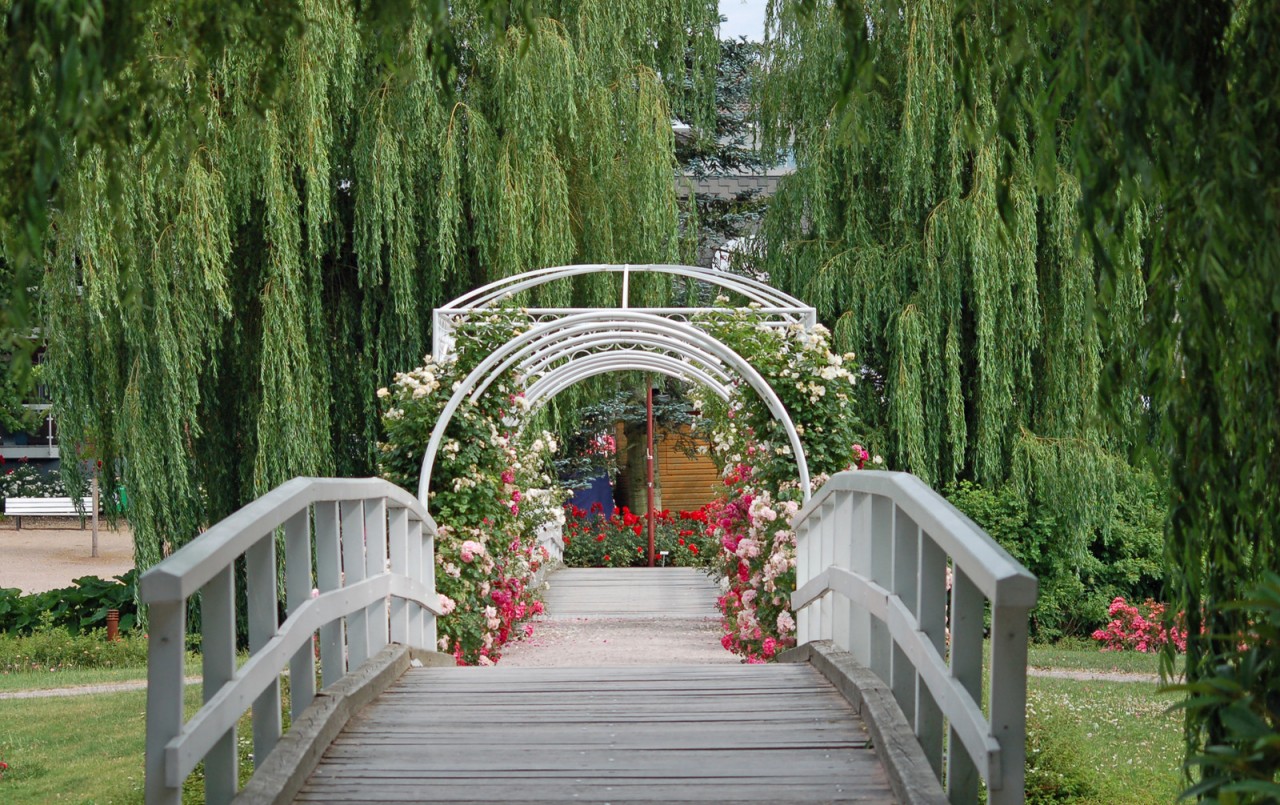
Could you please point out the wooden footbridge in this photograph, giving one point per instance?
(883, 700)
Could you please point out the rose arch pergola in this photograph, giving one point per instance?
(567, 345)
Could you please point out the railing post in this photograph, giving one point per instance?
(398, 547)
(842, 617)
(1008, 709)
(804, 572)
(905, 575)
(966, 667)
(931, 613)
(329, 578)
(415, 572)
(260, 575)
(860, 535)
(297, 569)
(218, 652)
(375, 538)
(353, 571)
(826, 557)
(428, 576)
(880, 569)
(166, 651)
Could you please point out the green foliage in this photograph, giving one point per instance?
(1168, 110)
(1076, 586)
(945, 250)
(50, 647)
(76, 609)
(303, 196)
(1243, 765)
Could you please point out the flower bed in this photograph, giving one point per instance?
(594, 538)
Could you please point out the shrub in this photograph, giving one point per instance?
(1076, 588)
(79, 608)
(1142, 628)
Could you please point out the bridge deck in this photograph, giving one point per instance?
(711, 733)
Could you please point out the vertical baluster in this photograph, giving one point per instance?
(966, 667)
(297, 571)
(375, 538)
(218, 655)
(905, 574)
(1008, 710)
(353, 572)
(260, 576)
(398, 546)
(414, 571)
(842, 517)
(880, 567)
(931, 612)
(826, 559)
(860, 533)
(428, 542)
(804, 572)
(166, 654)
(329, 578)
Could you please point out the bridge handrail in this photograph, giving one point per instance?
(884, 543)
(374, 542)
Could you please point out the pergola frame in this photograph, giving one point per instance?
(568, 345)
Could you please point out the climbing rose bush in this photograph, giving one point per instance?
(751, 519)
(491, 488)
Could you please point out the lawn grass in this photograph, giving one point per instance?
(1099, 741)
(1086, 656)
(76, 677)
(84, 749)
(89, 749)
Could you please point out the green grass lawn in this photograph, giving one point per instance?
(84, 749)
(77, 677)
(1085, 656)
(1100, 741)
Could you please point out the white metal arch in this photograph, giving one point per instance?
(562, 377)
(600, 340)
(564, 337)
(752, 289)
(548, 335)
(779, 308)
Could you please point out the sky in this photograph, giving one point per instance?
(745, 18)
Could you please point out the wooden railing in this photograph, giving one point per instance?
(891, 572)
(374, 582)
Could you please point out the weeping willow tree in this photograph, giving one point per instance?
(945, 250)
(221, 309)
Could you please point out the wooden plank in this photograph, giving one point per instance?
(644, 734)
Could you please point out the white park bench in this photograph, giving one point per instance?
(45, 507)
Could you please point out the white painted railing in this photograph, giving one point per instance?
(875, 555)
(374, 575)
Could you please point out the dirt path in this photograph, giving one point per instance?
(55, 552)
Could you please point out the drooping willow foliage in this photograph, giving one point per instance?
(221, 318)
(945, 250)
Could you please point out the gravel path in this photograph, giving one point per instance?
(57, 552)
(626, 616)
